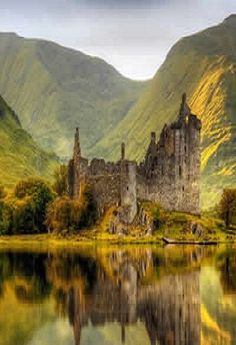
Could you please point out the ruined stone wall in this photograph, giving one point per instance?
(128, 194)
(169, 173)
(106, 191)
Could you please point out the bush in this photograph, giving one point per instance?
(24, 216)
(89, 209)
(65, 214)
(2, 192)
(60, 180)
(35, 195)
(5, 218)
(227, 206)
(156, 214)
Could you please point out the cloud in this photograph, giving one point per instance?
(133, 35)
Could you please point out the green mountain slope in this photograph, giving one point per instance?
(204, 66)
(19, 154)
(55, 89)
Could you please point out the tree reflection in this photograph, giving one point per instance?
(157, 287)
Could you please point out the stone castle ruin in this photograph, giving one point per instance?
(168, 175)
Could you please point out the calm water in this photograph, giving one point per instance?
(113, 296)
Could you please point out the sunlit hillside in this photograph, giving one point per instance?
(204, 66)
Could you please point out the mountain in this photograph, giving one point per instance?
(55, 89)
(20, 156)
(204, 66)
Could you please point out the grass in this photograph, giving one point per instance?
(173, 226)
(20, 156)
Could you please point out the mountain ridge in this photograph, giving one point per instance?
(20, 156)
(204, 66)
(55, 89)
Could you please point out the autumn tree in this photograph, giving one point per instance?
(227, 206)
(2, 192)
(60, 180)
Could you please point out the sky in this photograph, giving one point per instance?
(132, 35)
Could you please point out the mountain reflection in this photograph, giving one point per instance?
(98, 287)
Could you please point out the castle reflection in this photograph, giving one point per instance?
(99, 287)
(127, 288)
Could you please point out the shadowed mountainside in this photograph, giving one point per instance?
(55, 89)
(20, 156)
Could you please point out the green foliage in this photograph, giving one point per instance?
(65, 214)
(227, 206)
(2, 192)
(60, 184)
(5, 218)
(35, 195)
(89, 211)
(24, 216)
(156, 213)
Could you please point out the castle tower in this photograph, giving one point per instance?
(128, 197)
(74, 168)
(123, 151)
(187, 159)
(77, 151)
(184, 108)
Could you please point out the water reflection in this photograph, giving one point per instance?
(118, 296)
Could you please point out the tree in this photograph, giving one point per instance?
(65, 214)
(60, 180)
(2, 192)
(5, 218)
(227, 206)
(24, 215)
(35, 194)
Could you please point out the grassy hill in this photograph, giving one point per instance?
(55, 89)
(20, 156)
(204, 66)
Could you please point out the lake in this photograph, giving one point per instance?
(100, 295)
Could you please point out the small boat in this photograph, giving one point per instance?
(172, 241)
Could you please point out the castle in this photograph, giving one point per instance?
(168, 175)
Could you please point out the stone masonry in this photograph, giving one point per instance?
(168, 175)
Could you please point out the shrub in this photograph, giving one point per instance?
(65, 214)
(24, 216)
(227, 206)
(5, 218)
(156, 214)
(60, 180)
(89, 209)
(2, 192)
(37, 195)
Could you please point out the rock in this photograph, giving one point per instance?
(194, 228)
(149, 231)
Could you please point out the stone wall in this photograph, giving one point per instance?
(169, 173)
(106, 191)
